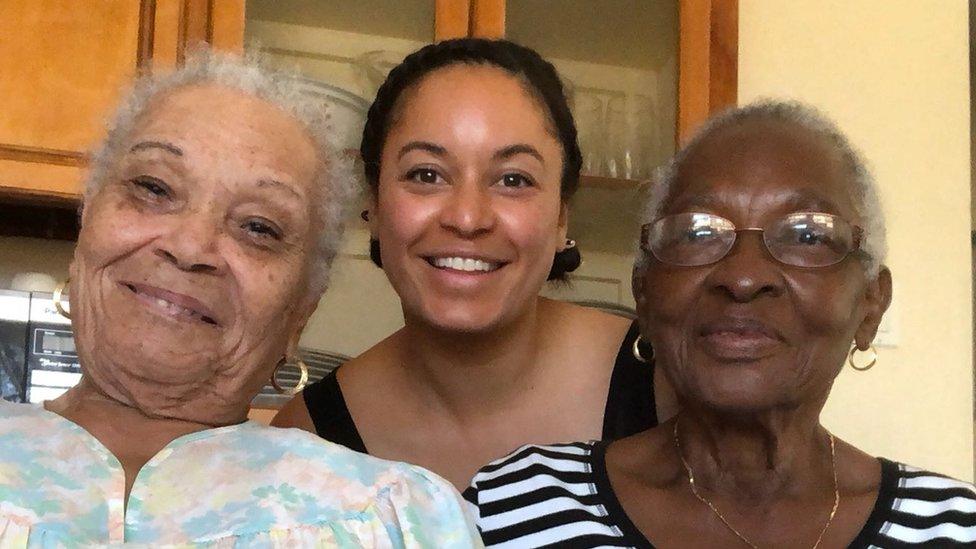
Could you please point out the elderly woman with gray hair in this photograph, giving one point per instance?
(211, 217)
(761, 259)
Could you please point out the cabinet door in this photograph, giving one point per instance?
(708, 40)
(640, 76)
(64, 65)
(344, 49)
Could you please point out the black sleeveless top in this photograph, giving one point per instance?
(630, 401)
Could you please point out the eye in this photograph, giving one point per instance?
(262, 228)
(423, 175)
(811, 237)
(150, 187)
(699, 234)
(515, 181)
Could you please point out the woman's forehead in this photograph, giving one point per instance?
(776, 165)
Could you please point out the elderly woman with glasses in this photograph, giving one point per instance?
(211, 218)
(761, 261)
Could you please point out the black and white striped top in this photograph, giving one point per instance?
(560, 495)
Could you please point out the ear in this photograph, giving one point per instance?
(563, 224)
(304, 315)
(877, 299)
(372, 213)
(637, 286)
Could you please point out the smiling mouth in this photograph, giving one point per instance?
(463, 264)
(168, 307)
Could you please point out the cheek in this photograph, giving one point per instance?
(531, 226)
(670, 296)
(114, 230)
(827, 308)
(403, 217)
(270, 289)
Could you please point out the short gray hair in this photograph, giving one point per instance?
(863, 189)
(335, 183)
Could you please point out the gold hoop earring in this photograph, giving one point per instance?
(58, 292)
(869, 365)
(302, 380)
(636, 350)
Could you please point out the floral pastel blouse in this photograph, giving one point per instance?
(245, 485)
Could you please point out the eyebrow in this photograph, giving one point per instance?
(520, 148)
(142, 145)
(801, 200)
(810, 201)
(432, 148)
(274, 183)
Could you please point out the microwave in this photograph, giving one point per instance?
(38, 360)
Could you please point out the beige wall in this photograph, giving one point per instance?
(894, 75)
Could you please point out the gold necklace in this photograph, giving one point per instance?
(694, 490)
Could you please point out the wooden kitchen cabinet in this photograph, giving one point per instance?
(640, 75)
(64, 64)
(707, 42)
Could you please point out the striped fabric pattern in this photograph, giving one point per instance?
(917, 508)
(559, 496)
(543, 496)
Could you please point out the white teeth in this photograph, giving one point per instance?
(465, 264)
(173, 308)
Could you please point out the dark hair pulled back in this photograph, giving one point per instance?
(539, 78)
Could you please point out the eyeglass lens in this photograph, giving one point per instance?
(804, 239)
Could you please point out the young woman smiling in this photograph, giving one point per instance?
(471, 158)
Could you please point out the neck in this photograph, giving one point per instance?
(470, 373)
(132, 436)
(756, 457)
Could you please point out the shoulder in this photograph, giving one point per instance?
(543, 495)
(294, 414)
(29, 429)
(555, 463)
(912, 482)
(578, 318)
(582, 336)
(426, 509)
(15, 418)
(916, 506)
(296, 455)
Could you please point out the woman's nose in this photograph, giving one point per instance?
(468, 211)
(192, 244)
(748, 272)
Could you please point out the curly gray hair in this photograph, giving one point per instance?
(335, 183)
(863, 189)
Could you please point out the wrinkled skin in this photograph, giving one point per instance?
(752, 348)
(210, 207)
(752, 175)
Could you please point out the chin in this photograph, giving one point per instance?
(741, 391)
(463, 319)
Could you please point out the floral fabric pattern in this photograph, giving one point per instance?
(244, 486)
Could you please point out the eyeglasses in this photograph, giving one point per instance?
(802, 239)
